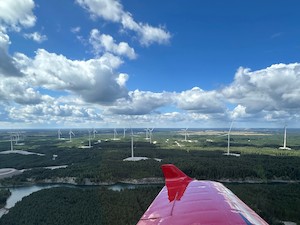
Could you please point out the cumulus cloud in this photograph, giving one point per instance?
(36, 36)
(112, 10)
(7, 63)
(199, 100)
(239, 112)
(95, 80)
(272, 89)
(105, 43)
(140, 103)
(53, 112)
(16, 14)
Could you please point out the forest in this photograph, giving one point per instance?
(4, 194)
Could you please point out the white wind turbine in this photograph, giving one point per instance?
(11, 142)
(133, 158)
(115, 134)
(71, 133)
(124, 132)
(18, 136)
(228, 142)
(185, 133)
(228, 136)
(90, 139)
(132, 155)
(150, 135)
(94, 132)
(284, 141)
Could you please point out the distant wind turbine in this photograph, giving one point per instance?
(11, 143)
(150, 135)
(284, 141)
(115, 133)
(71, 133)
(124, 132)
(228, 143)
(90, 139)
(94, 132)
(185, 133)
(132, 155)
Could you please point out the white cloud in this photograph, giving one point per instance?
(17, 13)
(75, 30)
(107, 9)
(141, 102)
(272, 89)
(53, 112)
(94, 80)
(150, 35)
(238, 112)
(105, 43)
(8, 65)
(112, 10)
(199, 100)
(36, 36)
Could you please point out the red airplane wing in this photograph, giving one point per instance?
(184, 201)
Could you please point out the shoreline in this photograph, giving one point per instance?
(133, 181)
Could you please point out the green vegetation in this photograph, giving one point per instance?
(4, 194)
(77, 206)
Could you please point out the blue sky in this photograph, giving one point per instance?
(109, 63)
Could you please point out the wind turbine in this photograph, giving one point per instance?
(228, 143)
(115, 133)
(150, 135)
(11, 142)
(124, 132)
(132, 155)
(71, 133)
(284, 141)
(90, 139)
(94, 132)
(185, 133)
(228, 140)
(17, 137)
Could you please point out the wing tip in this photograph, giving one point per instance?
(171, 172)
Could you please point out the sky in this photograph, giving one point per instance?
(158, 63)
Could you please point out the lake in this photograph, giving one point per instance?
(18, 193)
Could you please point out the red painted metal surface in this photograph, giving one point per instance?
(184, 201)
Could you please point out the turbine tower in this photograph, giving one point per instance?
(11, 143)
(228, 140)
(124, 132)
(90, 139)
(71, 133)
(115, 133)
(132, 155)
(284, 141)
